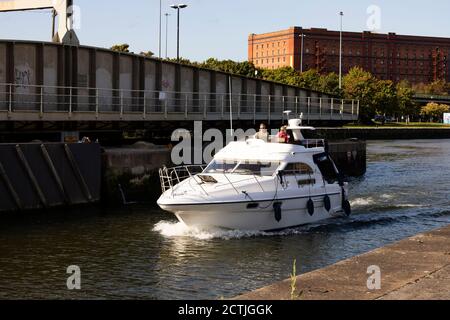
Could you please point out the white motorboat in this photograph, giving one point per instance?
(258, 185)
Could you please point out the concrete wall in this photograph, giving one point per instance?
(132, 173)
(36, 63)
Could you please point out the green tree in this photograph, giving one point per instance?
(310, 79)
(147, 54)
(286, 75)
(245, 68)
(183, 61)
(121, 48)
(385, 97)
(435, 111)
(360, 85)
(329, 83)
(439, 87)
(405, 99)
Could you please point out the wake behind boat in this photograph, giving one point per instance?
(258, 185)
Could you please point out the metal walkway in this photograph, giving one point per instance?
(49, 103)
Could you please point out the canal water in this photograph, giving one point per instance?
(142, 253)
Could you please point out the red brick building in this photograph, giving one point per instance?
(387, 56)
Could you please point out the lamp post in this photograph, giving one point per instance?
(178, 7)
(302, 52)
(167, 31)
(160, 26)
(340, 52)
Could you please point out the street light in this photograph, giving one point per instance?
(178, 7)
(167, 31)
(340, 52)
(160, 26)
(302, 52)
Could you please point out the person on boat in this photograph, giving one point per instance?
(263, 133)
(283, 136)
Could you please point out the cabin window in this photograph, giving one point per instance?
(298, 169)
(264, 169)
(221, 167)
(306, 182)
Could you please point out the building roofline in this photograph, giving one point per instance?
(365, 33)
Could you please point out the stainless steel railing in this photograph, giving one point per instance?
(170, 177)
(57, 99)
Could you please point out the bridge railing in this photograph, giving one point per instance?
(54, 99)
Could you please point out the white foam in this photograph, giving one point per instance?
(362, 202)
(408, 205)
(179, 229)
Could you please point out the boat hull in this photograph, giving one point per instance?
(252, 215)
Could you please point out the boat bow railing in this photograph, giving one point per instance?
(170, 177)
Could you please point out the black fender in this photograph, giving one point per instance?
(327, 203)
(310, 207)
(277, 211)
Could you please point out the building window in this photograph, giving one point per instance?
(257, 55)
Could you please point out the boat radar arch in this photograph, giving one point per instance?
(295, 125)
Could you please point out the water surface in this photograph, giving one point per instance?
(142, 253)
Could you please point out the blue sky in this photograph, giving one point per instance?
(219, 28)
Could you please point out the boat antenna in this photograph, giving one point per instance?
(231, 105)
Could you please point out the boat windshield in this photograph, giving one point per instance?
(264, 169)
